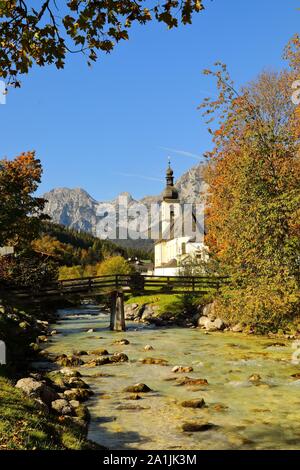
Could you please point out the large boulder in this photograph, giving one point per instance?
(62, 407)
(30, 386)
(219, 324)
(36, 389)
(78, 394)
(211, 325)
(203, 320)
(209, 311)
(132, 311)
(70, 372)
(149, 312)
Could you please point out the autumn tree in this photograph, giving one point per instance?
(254, 202)
(114, 265)
(20, 211)
(21, 219)
(46, 32)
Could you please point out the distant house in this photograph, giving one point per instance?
(175, 247)
(141, 265)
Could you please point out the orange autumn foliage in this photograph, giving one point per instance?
(253, 210)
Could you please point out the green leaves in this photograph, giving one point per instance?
(41, 35)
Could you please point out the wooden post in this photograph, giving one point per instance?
(117, 315)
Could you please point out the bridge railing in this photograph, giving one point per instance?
(133, 283)
(144, 282)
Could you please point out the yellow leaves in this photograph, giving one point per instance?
(198, 5)
(147, 14)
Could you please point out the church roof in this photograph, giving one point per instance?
(170, 193)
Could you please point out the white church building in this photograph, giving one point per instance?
(177, 244)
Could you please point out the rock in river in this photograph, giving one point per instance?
(190, 381)
(76, 382)
(100, 361)
(122, 341)
(197, 426)
(70, 372)
(195, 403)
(99, 352)
(153, 360)
(69, 361)
(119, 357)
(79, 394)
(182, 369)
(138, 388)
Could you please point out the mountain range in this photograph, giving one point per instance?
(76, 209)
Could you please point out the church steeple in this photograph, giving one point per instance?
(169, 174)
(170, 193)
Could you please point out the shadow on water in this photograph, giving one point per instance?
(115, 440)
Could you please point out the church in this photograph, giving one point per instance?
(176, 244)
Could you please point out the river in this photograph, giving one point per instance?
(260, 414)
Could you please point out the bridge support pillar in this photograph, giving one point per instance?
(117, 315)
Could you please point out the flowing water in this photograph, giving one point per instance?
(247, 415)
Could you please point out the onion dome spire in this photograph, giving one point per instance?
(170, 192)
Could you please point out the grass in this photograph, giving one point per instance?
(24, 427)
(171, 303)
(165, 302)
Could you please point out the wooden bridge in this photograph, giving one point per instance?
(115, 286)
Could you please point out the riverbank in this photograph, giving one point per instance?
(26, 426)
(192, 312)
(28, 419)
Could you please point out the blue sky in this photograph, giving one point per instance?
(97, 127)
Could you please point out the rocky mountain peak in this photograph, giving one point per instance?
(75, 208)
